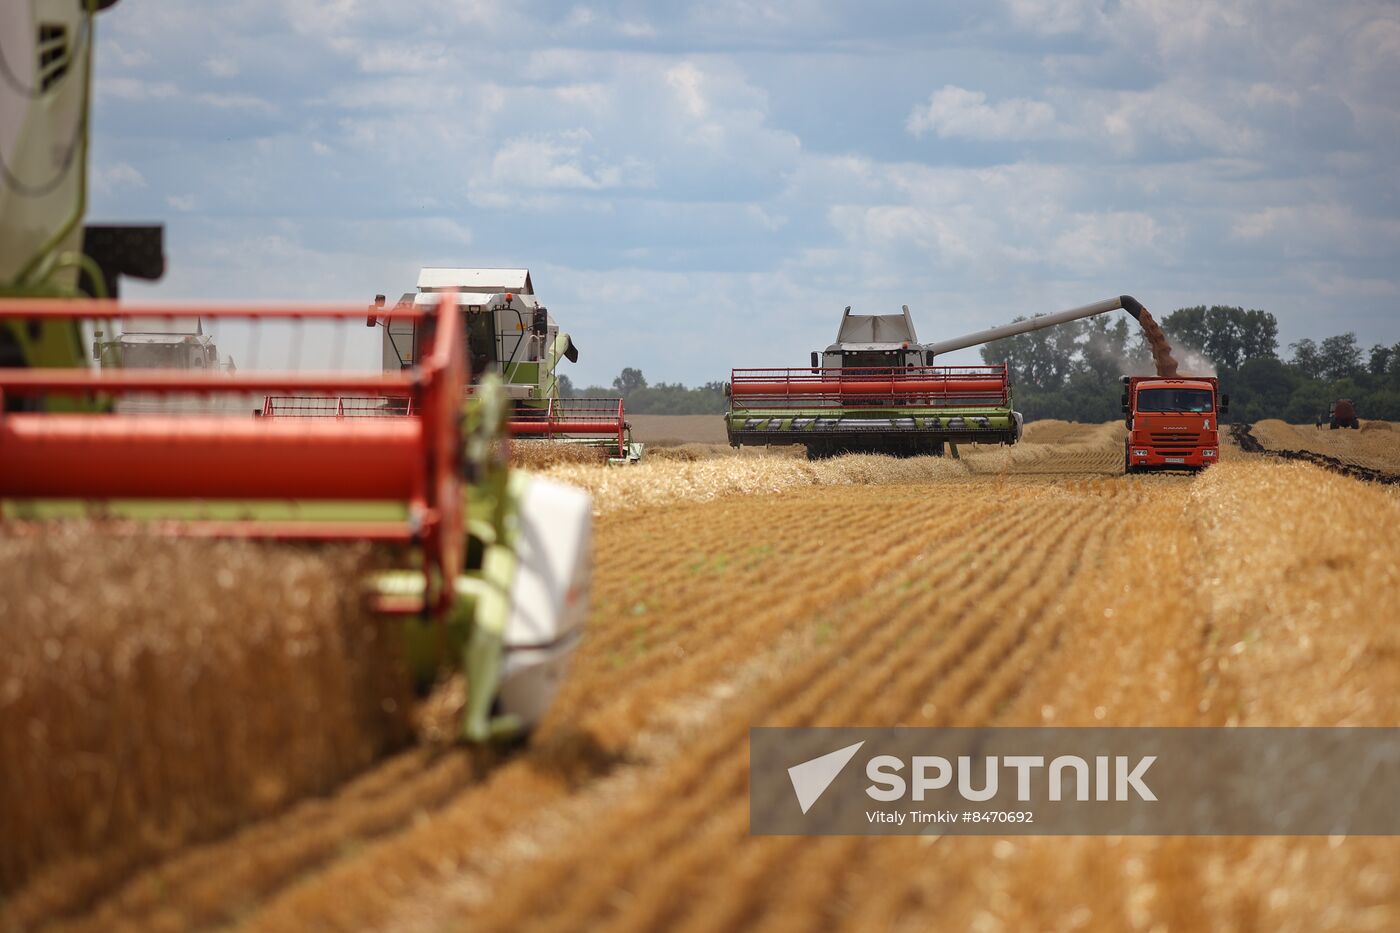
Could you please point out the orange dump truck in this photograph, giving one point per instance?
(1173, 424)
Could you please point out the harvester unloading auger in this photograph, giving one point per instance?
(878, 390)
(489, 566)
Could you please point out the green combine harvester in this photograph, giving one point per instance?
(482, 567)
(877, 389)
(512, 337)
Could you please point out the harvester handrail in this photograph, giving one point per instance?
(71, 381)
(61, 309)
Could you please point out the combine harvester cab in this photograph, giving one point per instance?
(878, 390)
(494, 565)
(513, 335)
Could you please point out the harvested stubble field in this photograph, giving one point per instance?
(1375, 445)
(1033, 586)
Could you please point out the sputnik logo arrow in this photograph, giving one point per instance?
(811, 778)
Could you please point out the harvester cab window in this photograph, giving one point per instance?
(1175, 400)
(872, 360)
(481, 340)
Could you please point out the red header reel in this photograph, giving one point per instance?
(212, 456)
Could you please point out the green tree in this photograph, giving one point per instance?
(629, 381)
(1260, 341)
(566, 385)
(1187, 327)
(1307, 361)
(1379, 362)
(1041, 359)
(1339, 357)
(1260, 388)
(1227, 335)
(1307, 403)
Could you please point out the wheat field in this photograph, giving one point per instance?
(1375, 445)
(1029, 586)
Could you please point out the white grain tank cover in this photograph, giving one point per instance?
(873, 331)
(439, 278)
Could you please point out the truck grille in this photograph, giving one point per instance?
(1176, 441)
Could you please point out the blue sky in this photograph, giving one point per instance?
(703, 185)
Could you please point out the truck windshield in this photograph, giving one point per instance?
(1175, 400)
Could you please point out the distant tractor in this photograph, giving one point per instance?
(1341, 414)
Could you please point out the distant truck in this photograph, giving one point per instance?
(1173, 424)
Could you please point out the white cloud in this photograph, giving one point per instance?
(136, 89)
(560, 162)
(675, 157)
(1056, 17)
(957, 112)
(221, 66)
(110, 179)
(244, 102)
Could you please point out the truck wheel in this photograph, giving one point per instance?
(1333, 424)
(1356, 425)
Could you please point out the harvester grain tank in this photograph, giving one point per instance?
(1173, 424)
(482, 566)
(877, 389)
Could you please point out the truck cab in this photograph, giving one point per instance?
(1173, 424)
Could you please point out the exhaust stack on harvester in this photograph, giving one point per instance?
(878, 390)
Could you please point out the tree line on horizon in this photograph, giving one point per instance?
(1072, 372)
